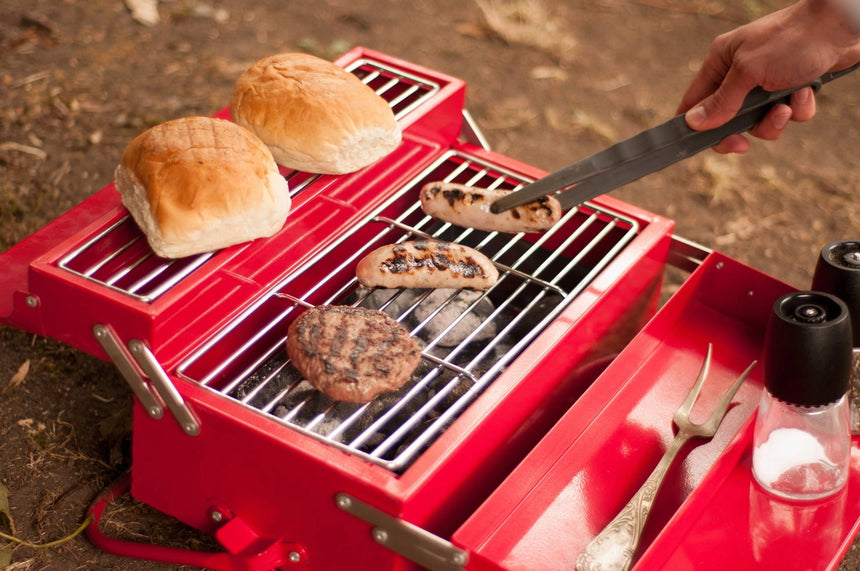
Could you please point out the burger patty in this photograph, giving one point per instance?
(352, 354)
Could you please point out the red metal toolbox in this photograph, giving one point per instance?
(475, 462)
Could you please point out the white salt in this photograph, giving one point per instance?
(784, 449)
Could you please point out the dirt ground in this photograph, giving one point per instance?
(548, 83)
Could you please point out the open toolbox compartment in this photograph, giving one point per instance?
(503, 452)
(709, 513)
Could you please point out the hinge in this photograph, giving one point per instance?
(409, 540)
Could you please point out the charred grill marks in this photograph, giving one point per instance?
(351, 353)
(435, 259)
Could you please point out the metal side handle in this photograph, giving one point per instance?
(158, 378)
(412, 542)
(112, 345)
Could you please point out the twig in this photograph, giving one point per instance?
(87, 521)
(685, 8)
(32, 78)
(35, 151)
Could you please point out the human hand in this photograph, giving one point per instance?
(786, 48)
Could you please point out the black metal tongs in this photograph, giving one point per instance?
(649, 151)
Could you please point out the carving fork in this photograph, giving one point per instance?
(614, 547)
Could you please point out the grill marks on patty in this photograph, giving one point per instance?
(352, 354)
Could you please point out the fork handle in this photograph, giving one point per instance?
(614, 547)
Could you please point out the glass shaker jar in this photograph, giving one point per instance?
(802, 440)
(838, 272)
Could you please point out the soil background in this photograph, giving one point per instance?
(548, 83)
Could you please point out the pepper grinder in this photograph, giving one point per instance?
(802, 441)
(838, 272)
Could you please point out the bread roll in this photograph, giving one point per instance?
(198, 184)
(314, 116)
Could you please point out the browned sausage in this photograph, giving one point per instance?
(426, 264)
(469, 207)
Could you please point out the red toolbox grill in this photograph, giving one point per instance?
(201, 340)
(509, 395)
(404, 91)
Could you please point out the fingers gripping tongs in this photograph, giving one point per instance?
(647, 152)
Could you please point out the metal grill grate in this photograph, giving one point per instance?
(403, 91)
(120, 259)
(468, 337)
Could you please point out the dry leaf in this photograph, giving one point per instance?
(18, 377)
(144, 11)
(527, 22)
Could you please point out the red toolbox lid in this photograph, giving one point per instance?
(709, 513)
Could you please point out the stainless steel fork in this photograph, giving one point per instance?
(614, 547)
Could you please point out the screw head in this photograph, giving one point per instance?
(380, 535)
(343, 502)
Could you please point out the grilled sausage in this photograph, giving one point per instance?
(426, 264)
(351, 354)
(469, 207)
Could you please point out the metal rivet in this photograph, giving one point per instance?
(295, 556)
(459, 559)
(32, 301)
(380, 535)
(216, 516)
(343, 502)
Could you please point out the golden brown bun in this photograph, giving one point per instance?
(314, 116)
(198, 184)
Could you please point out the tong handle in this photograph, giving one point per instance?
(758, 102)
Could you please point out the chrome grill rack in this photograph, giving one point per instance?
(468, 338)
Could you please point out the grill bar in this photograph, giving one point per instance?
(404, 91)
(468, 338)
(120, 259)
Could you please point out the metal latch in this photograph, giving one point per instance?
(146, 378)
(409, 540)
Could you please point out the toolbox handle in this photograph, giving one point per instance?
(276, 555)
(164, 386)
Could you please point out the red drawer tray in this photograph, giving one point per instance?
(709, 513)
